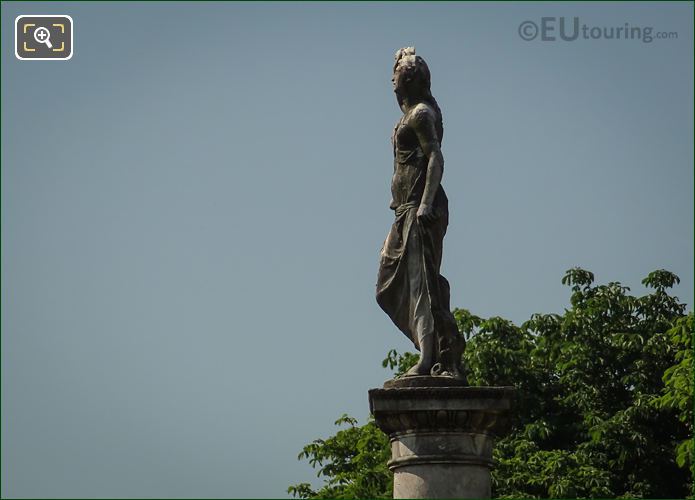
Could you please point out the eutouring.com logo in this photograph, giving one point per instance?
(551, 29)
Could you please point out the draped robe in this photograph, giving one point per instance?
(409, 287)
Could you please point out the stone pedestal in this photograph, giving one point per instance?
(442, 433)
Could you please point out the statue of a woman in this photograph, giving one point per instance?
(409, 287)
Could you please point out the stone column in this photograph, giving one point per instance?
(442, 433)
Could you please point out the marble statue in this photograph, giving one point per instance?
(410, 288)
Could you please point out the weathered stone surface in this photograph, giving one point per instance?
(425, 381)
(441, 436)
(410, 288)
(442, 481)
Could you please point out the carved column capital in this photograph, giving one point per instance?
(442, 434)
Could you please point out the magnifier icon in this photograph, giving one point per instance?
(42, 35)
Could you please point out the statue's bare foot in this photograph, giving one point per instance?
(418, 369)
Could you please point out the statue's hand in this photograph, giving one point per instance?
(426, 213)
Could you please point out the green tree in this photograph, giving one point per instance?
(353, 463)
(605, 406)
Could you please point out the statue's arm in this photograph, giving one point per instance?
(423, 123)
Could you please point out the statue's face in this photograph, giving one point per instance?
(399, 85)
(398, 80)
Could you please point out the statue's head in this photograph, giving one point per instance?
(411, 76)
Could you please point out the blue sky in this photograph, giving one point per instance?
(193, 207)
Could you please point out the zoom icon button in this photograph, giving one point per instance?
(43, 38)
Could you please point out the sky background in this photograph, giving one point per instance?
(193, 208)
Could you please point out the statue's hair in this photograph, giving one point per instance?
(415, 69)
